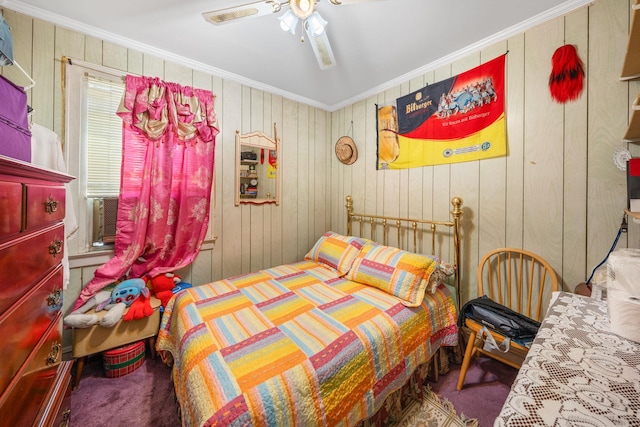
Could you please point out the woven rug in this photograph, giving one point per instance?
(434, 411)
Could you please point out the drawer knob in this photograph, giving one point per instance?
(55, 247)
(51, 205)
(55, 298)
(54, 354)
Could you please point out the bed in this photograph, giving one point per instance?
(329, 340)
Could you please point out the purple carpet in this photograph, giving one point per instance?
(146, 398)
(486, 387)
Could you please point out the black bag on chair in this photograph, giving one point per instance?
(501, 319)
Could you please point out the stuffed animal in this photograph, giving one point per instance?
(140, 307)
(163, 286)
(131, 293)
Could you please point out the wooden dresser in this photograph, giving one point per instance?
(35, 384)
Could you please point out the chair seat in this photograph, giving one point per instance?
(514, 357)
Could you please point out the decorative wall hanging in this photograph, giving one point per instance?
(567, 74)
(620, 157)
(455, 120)
(346, 150)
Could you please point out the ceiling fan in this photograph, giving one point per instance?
(299, 10)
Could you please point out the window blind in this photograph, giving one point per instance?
(104, 136)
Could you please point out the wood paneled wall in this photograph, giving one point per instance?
(242, 238)
(557, 192)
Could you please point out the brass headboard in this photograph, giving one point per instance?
(411, 225)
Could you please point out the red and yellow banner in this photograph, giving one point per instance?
(455, 120)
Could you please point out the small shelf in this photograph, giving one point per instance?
(633, 130)
(635, 215)
(631, 64)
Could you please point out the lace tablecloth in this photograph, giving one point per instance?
(577, 372)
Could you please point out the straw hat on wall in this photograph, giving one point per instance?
(346, 150)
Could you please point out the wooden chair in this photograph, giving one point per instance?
(520, 280)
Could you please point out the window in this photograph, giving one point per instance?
(93, 135)
(103, 136)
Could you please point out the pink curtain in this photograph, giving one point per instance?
(168, 138)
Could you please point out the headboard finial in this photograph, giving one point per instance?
(457, 203)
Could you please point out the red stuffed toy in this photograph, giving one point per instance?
(162, 286)
(139, 309)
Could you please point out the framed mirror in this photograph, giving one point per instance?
(257, 168)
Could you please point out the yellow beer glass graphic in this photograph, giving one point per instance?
(388, 147)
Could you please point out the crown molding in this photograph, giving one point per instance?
(70, 24)
(80, 27)
(560, 10)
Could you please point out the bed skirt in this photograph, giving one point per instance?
(391, 410)
(413, 390)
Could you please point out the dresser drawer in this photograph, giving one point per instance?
(11, 208)
(45, 204)
(57, 410)
(28, 260)
(23, 324)
(21, 402)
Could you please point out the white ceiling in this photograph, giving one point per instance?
(377, 44)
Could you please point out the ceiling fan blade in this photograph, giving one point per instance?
(250, 10)
(322, 49)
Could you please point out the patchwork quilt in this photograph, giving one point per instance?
(296, 344)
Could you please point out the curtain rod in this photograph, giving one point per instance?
(103, 69)
(95, 67)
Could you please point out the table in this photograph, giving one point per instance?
(577, 372)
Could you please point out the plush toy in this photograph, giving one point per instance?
(140, 307)
(131, 293)
(164, 286)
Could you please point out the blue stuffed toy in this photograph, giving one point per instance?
(115, 301)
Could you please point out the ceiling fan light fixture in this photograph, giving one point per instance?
(302, 8)
(315, 25)
(288, 22)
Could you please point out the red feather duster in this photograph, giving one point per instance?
(567, 74)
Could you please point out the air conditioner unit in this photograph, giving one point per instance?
(105, 214)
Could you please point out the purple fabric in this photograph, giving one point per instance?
(15, 136)
(167, 171)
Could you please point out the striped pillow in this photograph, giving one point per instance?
(336, 251)
(395, 271)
